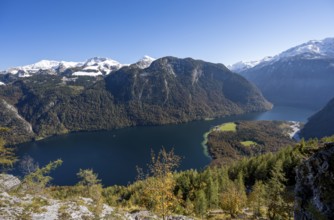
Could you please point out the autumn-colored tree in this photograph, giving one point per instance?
(257, 198)
(158, 191)
(234, 198)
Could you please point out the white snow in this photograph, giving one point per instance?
(313, 49)
(81, 73)
(241, 66)
(52, 65)
(2, 84)
(92, 67)
(144, 62)
(100, 62)
(24, 74)
(105, 65)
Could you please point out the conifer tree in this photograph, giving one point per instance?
(201, 204)
(276, 189)
(212, 193)
(37, 181)
(92, 188)
(257, 198)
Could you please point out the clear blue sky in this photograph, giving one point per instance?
(220, 31)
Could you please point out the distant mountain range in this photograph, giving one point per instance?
(167, 90)
(92, 67)
(302, 75)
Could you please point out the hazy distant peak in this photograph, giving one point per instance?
(323, 47)
(43, 65)
(241, 65)
(312, 49)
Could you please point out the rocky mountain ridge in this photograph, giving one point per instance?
(96, 66)
(170, 90)
(301, 76)
(314, 186)
(313, 49)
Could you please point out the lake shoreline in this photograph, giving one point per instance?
(114, 154)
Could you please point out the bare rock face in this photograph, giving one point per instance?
(8, 182)
(314, 191)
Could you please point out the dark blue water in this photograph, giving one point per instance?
(114, 155)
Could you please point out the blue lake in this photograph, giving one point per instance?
(115, 154)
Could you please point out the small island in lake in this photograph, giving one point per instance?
(234, 140)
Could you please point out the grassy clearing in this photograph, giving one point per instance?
(228, 127)
(248, 143)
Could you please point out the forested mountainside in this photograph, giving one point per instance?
(236, 140)
(300, 76)
(320, 124)
(170, 90)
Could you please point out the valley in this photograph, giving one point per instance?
(106, 151)
(169, 91)
(102, 121)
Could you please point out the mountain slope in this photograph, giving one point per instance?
(170, 90)
(321, 124)
(300, 76)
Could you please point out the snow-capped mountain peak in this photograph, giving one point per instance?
(144, 62)
(95, 66)
(42, 65)
(314, 47)
(241, 66)
(101, 60)
(310, 50)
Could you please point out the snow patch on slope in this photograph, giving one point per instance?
(82, 73)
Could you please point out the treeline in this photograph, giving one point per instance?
(260, 186)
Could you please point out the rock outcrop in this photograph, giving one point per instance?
(8, 182)
(15, 205)
(314, 191)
